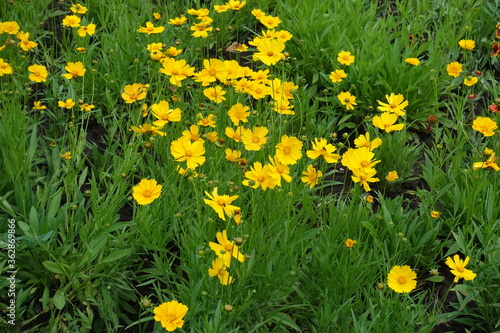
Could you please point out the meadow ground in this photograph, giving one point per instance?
(260, 166)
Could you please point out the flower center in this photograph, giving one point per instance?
(287, 150)
(402, 279)
(270, 53)
(221, 202)
(147, 193)
(255, 139)
(365, 164)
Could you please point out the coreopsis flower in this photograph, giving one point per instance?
(259, 91)
(485, 125)
(170, 315)
(24, 43)
(239, 113)
(470, 80)
(311, 176)
(254, 139)
(221, 203)
(458, 269)
(219, 269)
(259, 176)
(213, 69)
(157, 16)
(68, 104)
(165, 114)
(178, 70)
(193, 133)
(392, 176)
(490, 163)
(66, 155)
(369, 199)
(435, 214)
(178, 21)
(402, 279)
(71, 21)
(221, 8)
(364, 141)
(347, 99)
(467, 44)
(395, 104)
(78, 9)
(321, 148)
(86, 107)
(199, 13)
(257, 13)
(10, 27)
(289, 150)
(261, 76)
(269, 51)
(412, 61)
(146, 191)
(214, 138)
(235, 134)
(172, 51)
(85, 30)
(386, 122)
(201, 29)
(74, 69)
(81, 49)
(232, 155)
(283, 36)
(283, 106)
(269, 21)
(337, 75)
(359, 158)
(215, 94)
(235, 4)
(150, 29)
(225, 248)
(233, 71)
(282, 90)
(148, 128)
(364, 176)
(38, 73)
(5, 68)
(349, 243)
(37, 105)
(279, 170)
(134, 92)
(454, 69)
(345, 58)
(208, 121)
(184, 149)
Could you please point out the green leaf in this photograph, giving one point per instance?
(53, 267)
(59, 300)
(117, 255)
(436, 278)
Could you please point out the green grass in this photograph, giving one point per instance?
(89, 258)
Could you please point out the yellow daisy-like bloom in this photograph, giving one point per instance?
(151, 29)
(146, 191)
(221, 8)
(485, 125)
(311, 176)
(235, 4)
(364, 176)
(37, 105)
(10, 27)
(24, 43)
(402, 279)
(5, 68)
(278, 170)
(165, 114)
(38, 73)
(85, 30)
(134, 92)
(254, 139)
(364, 141)
(201, 29)
(239, 113)
(490, 163)
(235, 134)
(467, 44)
(321, 148)
(66, 155)
(86, 107)
(412, 61)
(68, 104)
(337, 75)
(74, 69)
(258, 14)
(183, 149)
(219, 269)
(347, 99)
(289, 150)
(392, 176)
(226, 249)
(458, 269)
(178, 21)
(268, 21)
(157, 16)
(395, 104)
(269, 51)
(221, 203)
(359, 158)
(178, 70)
(386, 122)
(349, 243)
(470, 80)
(232, 155)
(72, 21)
(148, 128)
(454, 69)
(78, 9)
(435, 214)
(260, 176)
(170, 315)
(345, 58)
(208, 121)
(215, 94)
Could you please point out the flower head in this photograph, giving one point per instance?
(68, 104)
(66, 155)
(458, 269)
(392, 176)
(337, 75)
(183, 149)
(134, 92)
(321, 148)
(178, 21)
(165, 114)
(146, 191)
(395, 104)
(386, 122)
(269, 51)
(260, 176)
(454, 69)
(74, 69)
(402, 279)
(78, 9)
(219, 269)
(151, 29)
(38, 73)
(269, 21)
(349, 243)
(491, 162)
(289, 150)
(485, 125)
(345, 58)
(347, 99)
(467, 44)
(311, 176)
(72, 21)
(37, 105)
(85, 30)
(254, 139)
(221, 203)
(215, 94)
(226, 249)
(412, 61)
(170, 315)
(470, 80)
(24, 43)
(364, 141)
(239, 113)
(435, 214)
(5, 68)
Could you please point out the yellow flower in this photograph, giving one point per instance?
(178, 21)
(349, 243)
(258, 14)
(38, 73)
(454, 69)
(215, 94)
(337, 75)
(395, 104)
(239, 113)
(37, 105)
(392, 176)
(470, 80)
(5, 68)
(66, 155)
(25, 44)
(412, 61)
(235, 4)
(221, 8)
(364, 141)
(386, 122)
(74, 69)
(485, 125)
(78, 9)
(364, 176)
(68, 104)
(219, 269)
(208, 121)
(490, 163)
(148, 128)
(311, 176)
(178, 70)
(321, 148)
(435, 214)
(268, 21)
(193, 133)
(86, 107)
(146, 191)
(232, 155)
(359, 158)
(170, 315)
(221, 203)
(345, 58)
(347, 99)
(201, 29)
(225, 248)
(133, 92)
(254, 139)
(183, 149)
(467, 44)
(269, 51)
(458, 269)
(278, 170)
(289, 150)
(85, 30)
(151, 29)
(10, 27)
(260, 176)
(157, 16)
(402, 279)
(72, 21)
(235, 134)
(165, 114)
